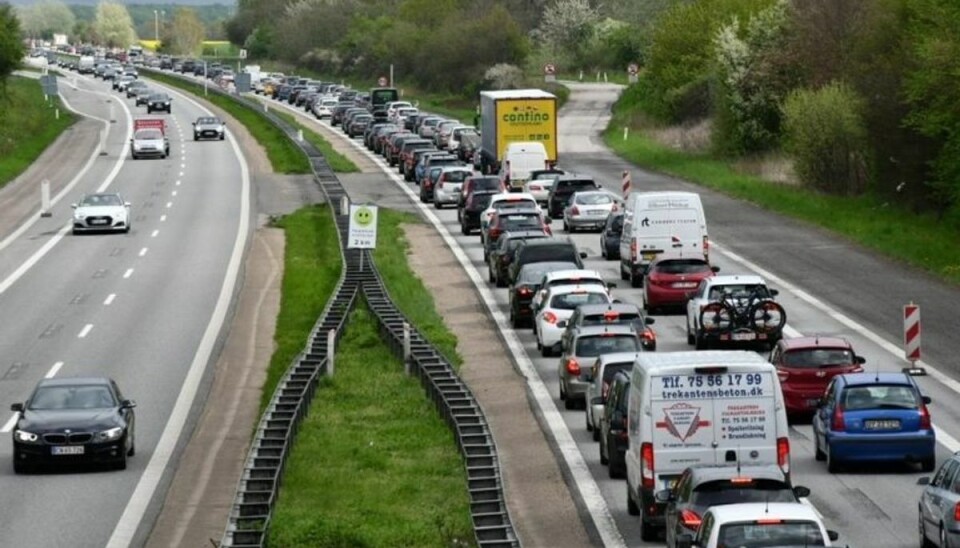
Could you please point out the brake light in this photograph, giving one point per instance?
(494, 233)
(783, 374)
(783, 454)
(706, 246)
(646, 465)
(549, 317)
(956, 512)
(575, 211)
(741, 481)
(690, 519)
(648, 335)
(535, 187)
(573, 367)
(836, 422)
(769, 521)
(611, 316)
(924, 417)
(614, 208)
(524, 291)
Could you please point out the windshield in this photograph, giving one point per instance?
(205, 121)
(737, 291)
(715, 493)
(149, 134)
(570, 301)
(515, 204)
(513, 223)
(101, 200)
(591, 347)
(770, 533)
(817, 357)
(72, 397)
(594, 199)
(682, 266)
(541, 253)
(569, 187)
(892, 396)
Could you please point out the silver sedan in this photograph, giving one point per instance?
(589, 209)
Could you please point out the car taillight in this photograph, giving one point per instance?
(633, 250)
(536, 187)
(690, 519)
(549, 317)
(614, 208)
(575, 211)
(524, 291)
(494, 233)
(706, 247)
(956, 512)
(605, 390)
(924, 417)
(783, 374)
(646, 465)
(836, 422)
(648, 335)
(783, 454)
(573, 367)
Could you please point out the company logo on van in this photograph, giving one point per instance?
(527, 114)
(682, 420)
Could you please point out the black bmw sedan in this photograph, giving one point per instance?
(69, 420)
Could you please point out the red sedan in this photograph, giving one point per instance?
(671, 280)
(805, 366)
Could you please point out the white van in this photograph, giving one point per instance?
(688, 408)
(656, 222)
(519, 159)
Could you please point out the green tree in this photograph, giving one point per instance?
(568, 26)
(113, 24)
(185, 34)
(45, 18)
(11, 47)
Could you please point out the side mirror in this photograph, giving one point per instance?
(926, 400)
(715, 269)
(128, 404)
(16, 407)
(583, 254)
(833, 535)
(801, 491)
(74, 206)
(617, 301)
(131, 141)
(774, 292)
(611, 285)
(193, 123)
(684, 541)
(925, 480)
(126, 204)
(663, 495)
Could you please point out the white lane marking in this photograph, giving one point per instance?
(181, 174)
(11, 422)
(163, 218)
(53, 370)
(134, 510)
(34, 259)
(128, 273)
(143, 252)
(587, 486)
(85, 331)
(177, 183)
(174, 193)
(109, 300)
(154, 233)
(945, 439)
(169, 205)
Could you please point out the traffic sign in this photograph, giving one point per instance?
(625, 183)
(382, 81)
(243, 54)
(549, 69)
(911, 332)
(362, 233)
(633, 68)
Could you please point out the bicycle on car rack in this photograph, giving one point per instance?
(745, 318)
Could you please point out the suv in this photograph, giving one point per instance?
(551, 249)
(734, 309)
(476, 203)
(805, 366)
(564, 187)
(510, 220)
(158, 101)
(613, 427)
(580, 351)
(706, 485)
(478, 182)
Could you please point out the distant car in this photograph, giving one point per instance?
(324, 108)
(610, 237)
(703, 486)
(512, 220)
(670, 280)
(760, 525)
(613, 314)
(940, 506)
(101, 212)
(558, 305)
(72, 419)
(141, 95)
(806, 365)
(874, 417)
(159, 101)
(209, 127)
(564, 187)
(589, 210)
(120, 83)
(134, 88)
(149, 142)
(446, 189)
(498, 260)
(613, 426)
(540, 183)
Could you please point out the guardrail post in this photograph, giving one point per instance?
(344, 205)
(45, 199)
(331, 341)
(406, 348)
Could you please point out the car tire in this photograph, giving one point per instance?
(436, 204)
(596, 434)
(587, 423)
(632, 507)
(604, 459)
(121, 463)
(545, 350)
(501, 283)
(818, 453)
(133, 444)
(928, 465)
(490, 277)
(20, 466)
(700, 342)
(603, 250)
(569, 403)
(833, 465)
(464, 230)
(566, 227)
(691, 340)
(635, 281)
(623, 274)
(648, 532)
(196, 137)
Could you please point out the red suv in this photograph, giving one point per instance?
(805, 366)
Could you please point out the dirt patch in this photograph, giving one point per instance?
(691, 137)
(540, 504)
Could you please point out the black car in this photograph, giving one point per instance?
(703, 486)
(564, 187)
(511, 220)
(477, 202)
(469, 143)
(610, 237)
(159, 101)
(526, 286)
(478, 182)
(552, 249)
(73, 419)
(613, 426)
(498, 259)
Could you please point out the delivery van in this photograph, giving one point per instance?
(688, 408)
(657, 222)
(519, 160)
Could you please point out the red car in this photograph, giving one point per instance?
(671, 280)
(805, 366)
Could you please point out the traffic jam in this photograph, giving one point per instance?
(694, 438)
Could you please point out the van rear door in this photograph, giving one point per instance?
(660, 230)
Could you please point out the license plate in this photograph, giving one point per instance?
(670, 483)
(596, 212)
(743, 336)
(98, 221)
(813, 403)
(66, 450)
(648, 256)
(881, 425)
(684, 285)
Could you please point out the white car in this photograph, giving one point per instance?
(567, 277)
(518, 200)
(558, 305)
(324, 107)
(739, 288)
(759, 525)
(401, 115)
(101, 212)
(394, 106)
(539, 186)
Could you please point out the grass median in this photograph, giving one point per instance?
(338, 162)
(28, 125)
(920, 240)
(284, 155)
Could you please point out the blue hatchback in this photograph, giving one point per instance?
(871, 417)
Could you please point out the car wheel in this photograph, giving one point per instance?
(587, 422)
(833, 465)
(545, 350)
(922, 529)
(121, 463)
(596, 434)
(196, 137)
(818, 453)
(133, 444)
(126, 229)
(604, 459)
(700, 342)
(490, 277)
(20, 466)
(436, 204)
(635, 281)
(566, 227)
(632, 507)
(501, 282)
(569, 403)
(623, 273)
(464, 230)
(603, 250)
(927, 465)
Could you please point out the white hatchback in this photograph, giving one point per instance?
(760, 525)
(558, 305)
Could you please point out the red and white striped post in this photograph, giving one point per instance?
(911, 332)
(625, 183)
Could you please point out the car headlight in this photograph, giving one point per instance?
(111, 434)
(78, 216)
(26, 437)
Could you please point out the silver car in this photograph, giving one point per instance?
(446, 191)
(209, 127)
(589, 209)
(940, 506)
(580, 352)
(605, 368)
(101, 212)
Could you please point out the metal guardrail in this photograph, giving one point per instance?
(249, 519)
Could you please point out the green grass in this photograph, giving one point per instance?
(406, 289)
(311, 270)
(338, 162)
(920, 240)
(373, 464)
(284, 155)
(28, 125)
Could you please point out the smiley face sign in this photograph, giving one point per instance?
(362, 233)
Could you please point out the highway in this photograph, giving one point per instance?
(827, 287)
(146, 308)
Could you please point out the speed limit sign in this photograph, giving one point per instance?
(382, 81)
(633, 69)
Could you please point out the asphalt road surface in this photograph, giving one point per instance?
(146, 308)
(828, 286)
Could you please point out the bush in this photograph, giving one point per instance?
(825, 134)
(504, 76)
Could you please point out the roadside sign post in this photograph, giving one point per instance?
(911, 338)
(331, 341)
(406, 348)
(632, 71)
(625, 183)
(362, 232)
(382, 81)
(45, 199)
(549, 72)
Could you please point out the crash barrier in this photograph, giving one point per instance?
(249, 519)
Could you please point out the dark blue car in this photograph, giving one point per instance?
(874, 417)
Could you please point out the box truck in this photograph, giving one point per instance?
(516, 115)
